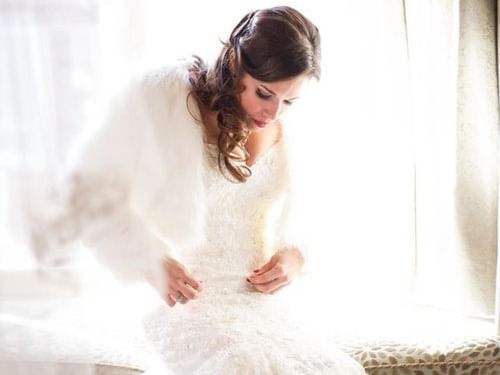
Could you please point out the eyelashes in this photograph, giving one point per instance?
(265, 96)
(262, 95)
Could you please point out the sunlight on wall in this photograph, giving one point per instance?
(357, 158)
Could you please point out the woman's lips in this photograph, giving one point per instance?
(260, 124)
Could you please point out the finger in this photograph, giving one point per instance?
(266, 267)
(187, 291)
(179, 271)
(273, 285)
(261, 271)
(192, 282)
(269, 265)
(170, 300)
(268, 276)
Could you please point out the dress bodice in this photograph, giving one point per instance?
(238, 218)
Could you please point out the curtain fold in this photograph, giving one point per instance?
(453, 69)
(497, 304)
(476, 156)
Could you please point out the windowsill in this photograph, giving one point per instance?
(412, 323)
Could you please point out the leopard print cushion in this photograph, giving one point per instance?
(389, 357)
(115, 370)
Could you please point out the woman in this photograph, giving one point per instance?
(187, 184)
(241, 99)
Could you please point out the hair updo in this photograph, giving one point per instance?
(270, 45)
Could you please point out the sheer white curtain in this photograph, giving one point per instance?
(379, 136)
(49, 86)
(454, 79)
(357, 154)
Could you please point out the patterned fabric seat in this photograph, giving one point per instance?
(467, 356)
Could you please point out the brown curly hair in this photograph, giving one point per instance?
(270, 45)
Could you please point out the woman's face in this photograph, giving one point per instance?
(264, 102)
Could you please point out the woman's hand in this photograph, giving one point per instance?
(279, 271)
(181, 285)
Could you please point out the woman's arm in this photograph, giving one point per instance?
(289, 241)
(95, 194)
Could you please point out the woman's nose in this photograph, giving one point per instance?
(273, 110)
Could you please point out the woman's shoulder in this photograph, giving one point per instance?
(163, 82)
(155, 89)
(172, 74)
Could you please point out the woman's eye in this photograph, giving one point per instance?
(263, 95)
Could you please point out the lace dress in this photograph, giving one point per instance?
(232, 328)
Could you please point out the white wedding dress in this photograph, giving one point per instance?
(232, 328)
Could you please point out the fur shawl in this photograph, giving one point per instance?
(133, 191)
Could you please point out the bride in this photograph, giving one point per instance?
(187, 184)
